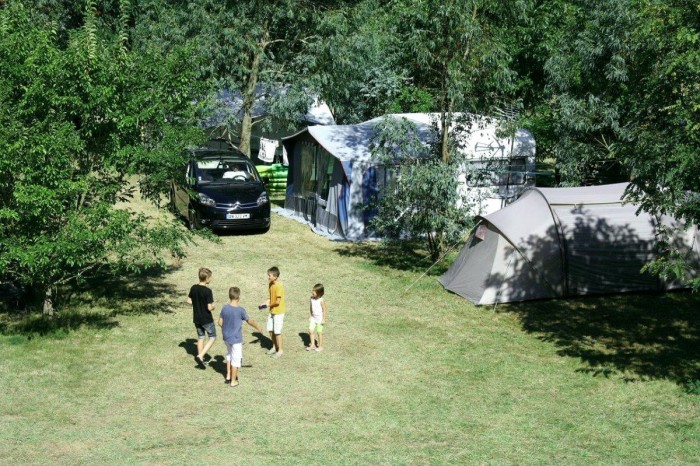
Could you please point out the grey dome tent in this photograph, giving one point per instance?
(562, 242)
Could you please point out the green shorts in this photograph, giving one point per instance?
(314, 327)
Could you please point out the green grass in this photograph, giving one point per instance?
(411, 373)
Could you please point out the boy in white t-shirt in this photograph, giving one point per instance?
(317, 319)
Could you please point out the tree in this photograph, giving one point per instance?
(358, 65)
(248, 47)
(458, 50)
(589, 76)
(423, 202)
(623, 80)
(78, 119)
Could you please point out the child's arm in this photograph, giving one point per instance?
(274, 303)
(221, 321)
(254, 324)
(325, 310)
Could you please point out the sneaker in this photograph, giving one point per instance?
(277, 355)
(199, 361)
(271, 351)
(310, 348)
(319, 349)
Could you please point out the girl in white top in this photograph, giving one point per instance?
(318, 312)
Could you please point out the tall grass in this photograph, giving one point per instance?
(411, 374)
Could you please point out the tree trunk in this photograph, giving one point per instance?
(249, 97)
(48, 302)
(445, 128)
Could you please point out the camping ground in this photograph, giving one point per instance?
(411, 373)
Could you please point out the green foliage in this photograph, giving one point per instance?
(692, 386)
(623, 82)
(77, 121)
(247, 47)
(358, 64)
(459, 52)
(424, 201)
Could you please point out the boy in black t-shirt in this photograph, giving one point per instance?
(202, 300)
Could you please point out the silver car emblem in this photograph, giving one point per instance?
(235, 206)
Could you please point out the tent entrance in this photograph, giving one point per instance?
(316, 187)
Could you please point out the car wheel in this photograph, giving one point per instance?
(192, 220)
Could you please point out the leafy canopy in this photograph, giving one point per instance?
(423, 202)
(78, 119)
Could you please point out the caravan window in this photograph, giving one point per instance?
(484, 173)
(328, 162)
(308, 168)
(480, 174)
(513, 174)
(386, 177)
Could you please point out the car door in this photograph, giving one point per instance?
(182, 197)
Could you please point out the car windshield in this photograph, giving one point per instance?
(223, 170)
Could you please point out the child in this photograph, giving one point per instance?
(277, 306)
(202, 300)
(231, 323)
(318, 316)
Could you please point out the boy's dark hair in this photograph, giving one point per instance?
(234, 293)
(274, 271)
(204, 274)
(318, 288)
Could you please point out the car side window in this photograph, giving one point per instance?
(189, 174)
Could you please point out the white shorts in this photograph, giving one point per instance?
(234, 353)
(274, 323)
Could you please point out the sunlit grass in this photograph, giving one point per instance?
(411, 373)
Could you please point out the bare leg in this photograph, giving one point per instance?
(228, 370)
(312, 344)
(279, 343)
(234, 376)
(206, 347)
(320, 340)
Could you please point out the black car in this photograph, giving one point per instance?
(226, 190)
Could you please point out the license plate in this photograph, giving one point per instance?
(236, 216)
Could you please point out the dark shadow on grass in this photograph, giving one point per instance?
(218, 363)
(58, 326)
(190, 346)
(135, 294)
(402, 256)
(648, 336)
(305, 339)
(262, 340)
(241, 232)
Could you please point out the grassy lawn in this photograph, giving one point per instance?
(411, 373)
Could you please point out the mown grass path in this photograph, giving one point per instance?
(411, 374)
